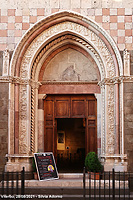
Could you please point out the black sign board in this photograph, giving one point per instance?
(46, 167)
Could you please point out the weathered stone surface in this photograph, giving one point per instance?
(3, 123)
(131, 60)
(71, 65)
(1, 62)
(128, 123)
(40, 104)
(130, 160)
(128, 88)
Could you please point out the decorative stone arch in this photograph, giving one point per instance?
(36, 45)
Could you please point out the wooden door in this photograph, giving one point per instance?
(70, 106)
(91, 125)
(49, 126)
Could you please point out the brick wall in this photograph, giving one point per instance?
(3, 123)
(114, 16)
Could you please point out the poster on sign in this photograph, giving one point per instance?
(46, 167)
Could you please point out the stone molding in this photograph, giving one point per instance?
(34, 84)
(116, 80)
(20, 81)
(66, 83)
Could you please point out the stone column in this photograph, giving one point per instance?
(117, 130)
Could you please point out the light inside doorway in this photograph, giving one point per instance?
(70, 144)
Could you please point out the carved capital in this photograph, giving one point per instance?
(33, 84)
(5, 63)
(126, 59)
(109, 81)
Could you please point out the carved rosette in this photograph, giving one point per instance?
(110, 120)
(23, 148)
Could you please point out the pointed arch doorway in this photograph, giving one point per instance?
(70, 131)
(29, 84)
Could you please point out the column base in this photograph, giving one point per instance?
(17, 162)
(118, 162)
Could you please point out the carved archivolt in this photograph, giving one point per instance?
(44, 41)
(63, 38)
(97, 45)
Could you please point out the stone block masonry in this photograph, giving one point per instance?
(1, 62)
(128, 112)
(131, 53)
(3, 123)
(115, 17)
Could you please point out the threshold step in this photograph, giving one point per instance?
(70, 175)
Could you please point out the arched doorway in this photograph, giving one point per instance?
(29, 85)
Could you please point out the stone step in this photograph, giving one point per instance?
(69, 182)
(70, 175)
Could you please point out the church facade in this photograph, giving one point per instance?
(66, 81)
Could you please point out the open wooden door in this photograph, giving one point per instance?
(91, 126)
(50, 125)
(70, 106)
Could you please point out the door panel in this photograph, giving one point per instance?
(49, 109)
(49, 139)
(91, 108)
(49, 125)
(62, 108)
(91, 145)
(77, 108)
(91, 126)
